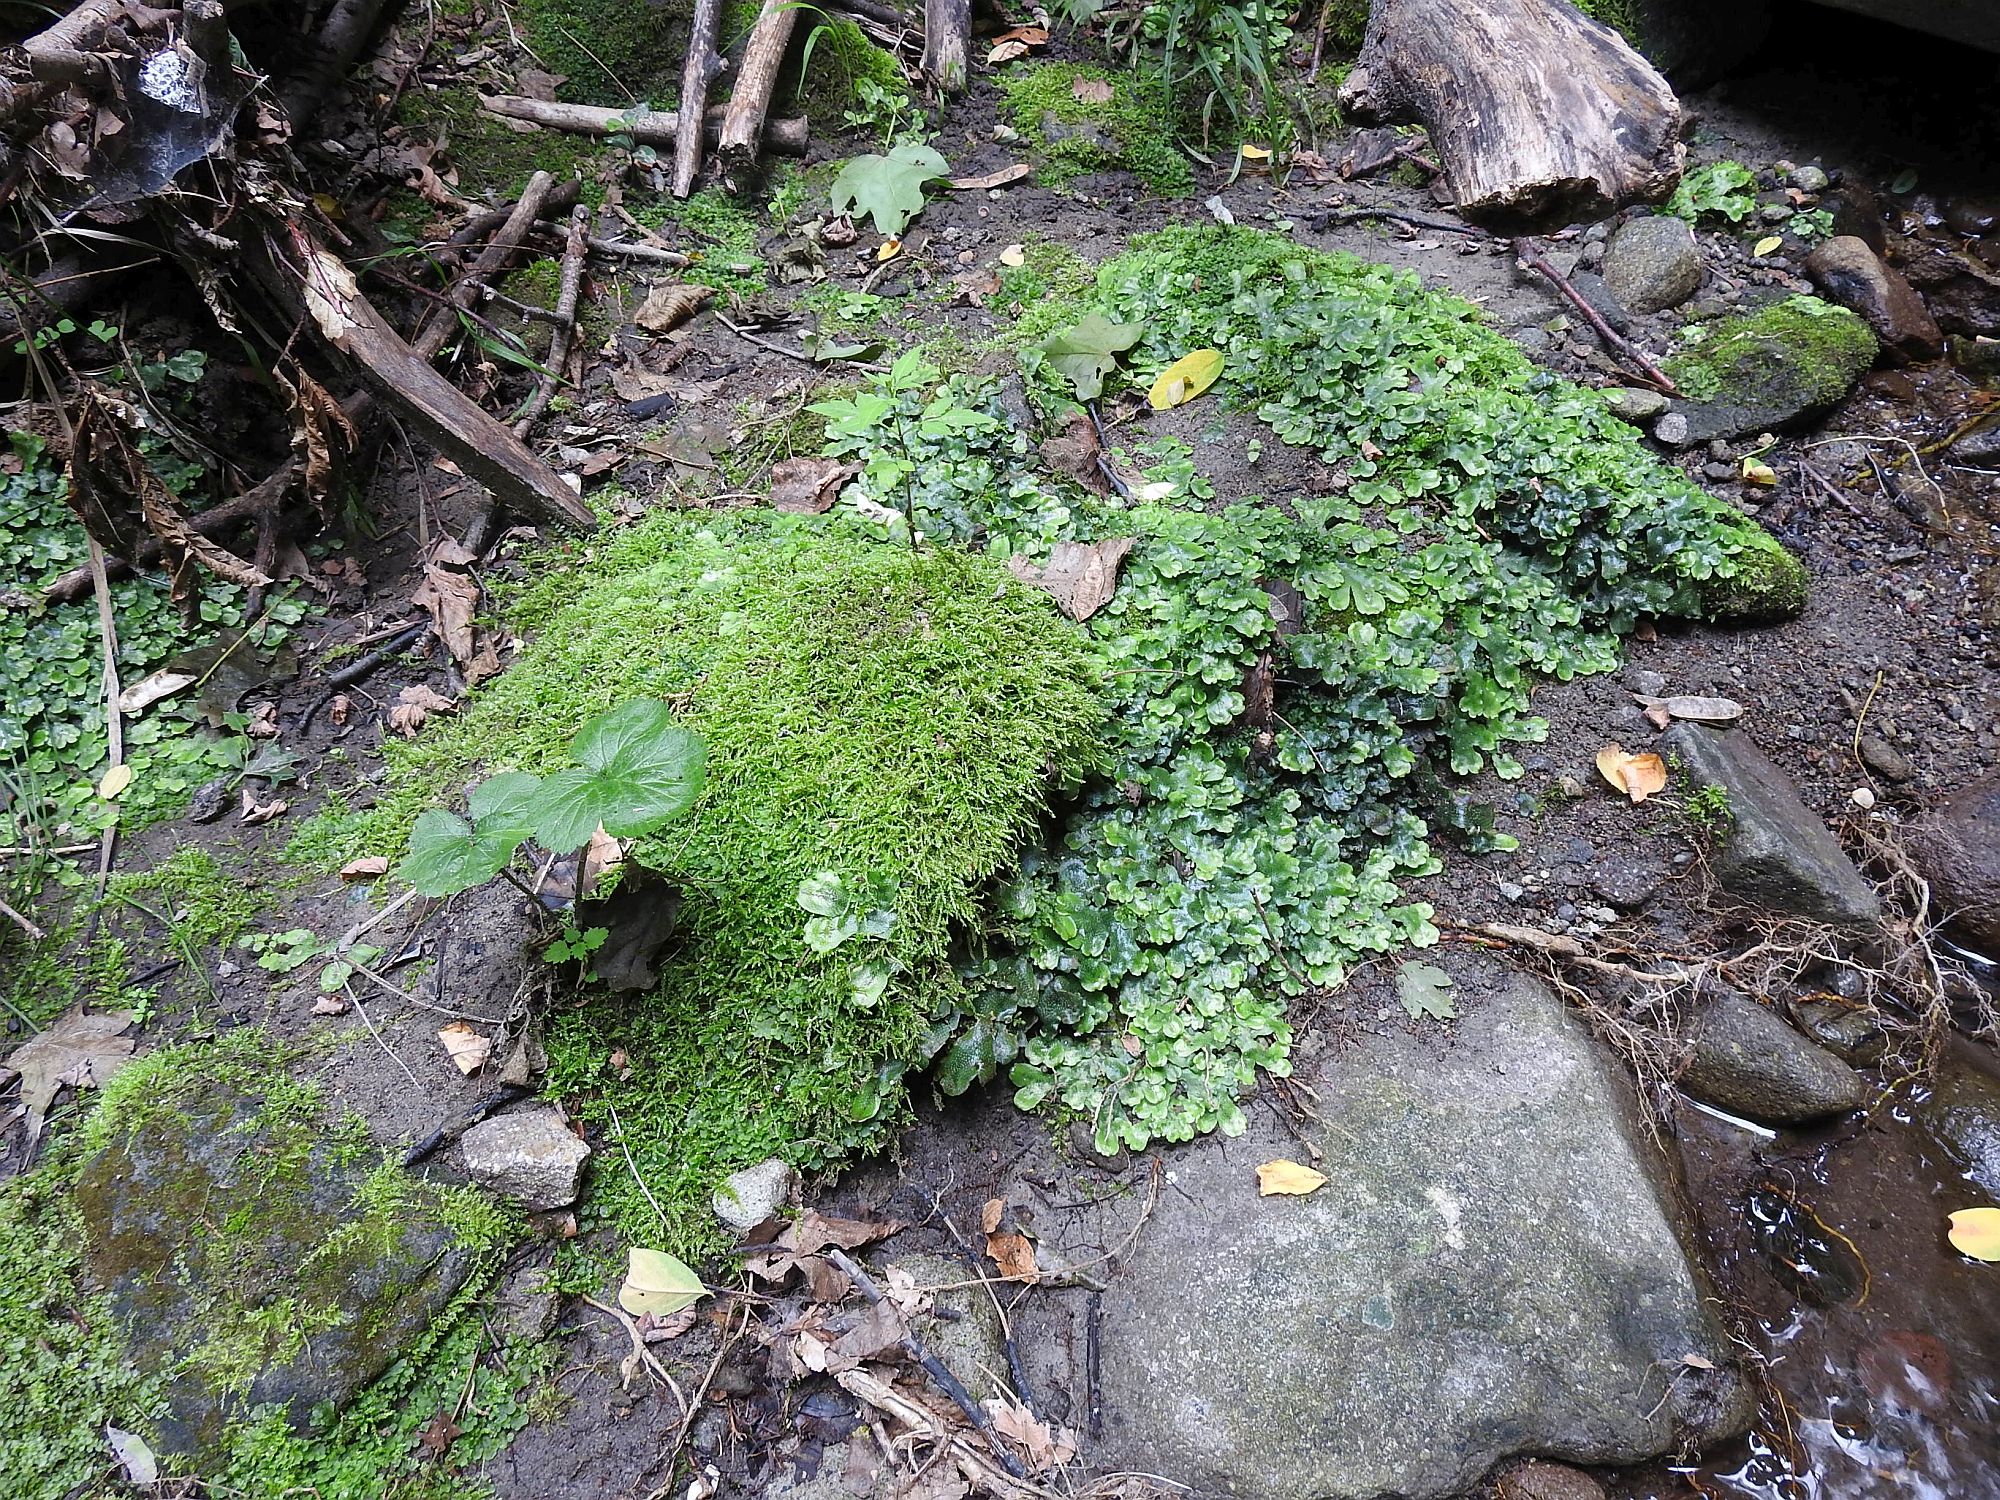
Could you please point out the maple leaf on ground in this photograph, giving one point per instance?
(79, 1051)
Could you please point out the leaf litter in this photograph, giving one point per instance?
(81, 1050)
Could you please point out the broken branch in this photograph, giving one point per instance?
(649, 127)
(696, 74)
(750, 100)
(1534, 260)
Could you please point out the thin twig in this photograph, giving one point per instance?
(642, 1353)
(22, 922)
(362, 1011)
(729, 1340)
(633, 1167)
(1534, 260)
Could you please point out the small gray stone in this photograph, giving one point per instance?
(1745, 1059)
(1979, 446)
(1963, 1113)
(1644, 681)
(1774, 851)
(1541, 1480)
(531, 1156)
(1957, 847)
(526, 1305)
(1590, 256)
(1653, 264)
(1627, 880)
(1775, 213)
(1809, 179)
(1634, 405)
(1885, 759)
(1672, 429)
(749, 1197)
(1852, 1033)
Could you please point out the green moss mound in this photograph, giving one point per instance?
(1823, 348)
(611, 51)
(1132, 131)
(841, 65)
(874, 711)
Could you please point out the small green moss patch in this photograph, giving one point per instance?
(1828, 346)
(1132, 131)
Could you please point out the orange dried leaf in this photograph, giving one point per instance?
(1289, 1178)
(1636, 776)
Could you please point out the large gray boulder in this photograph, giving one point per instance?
(1653, 264)
(1491, 1269)
(1745, 1059)
(253, 1255)
(1957, 847)
(1773, 851)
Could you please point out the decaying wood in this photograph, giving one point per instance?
(948, 43)
(481, 226)
(977, 1468)
(303, 274)
(439, 329)
(750, 100)
(651, 127)
(565, 326)
(1541, 117)
(334, 48)
(696, 74)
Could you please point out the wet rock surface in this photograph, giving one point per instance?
(1652, 264)
(1775, 851)
(1962, 1112)
(1848, 272)
(530, 1156)
(1770, 370)
(257, 1261)
(1957, 847)
(1746, 1060)
(1432, 1309)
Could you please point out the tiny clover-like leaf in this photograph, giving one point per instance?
(447, 855)
(888, 189)
(1086, 353)
(823, 894)
(636, 769)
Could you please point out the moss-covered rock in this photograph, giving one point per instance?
(254, 1250)
(1768, 584)
(1771, 369)
(1132, 131)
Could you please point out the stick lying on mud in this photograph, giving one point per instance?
(565, 321)
(1537, 262)
(650, 127)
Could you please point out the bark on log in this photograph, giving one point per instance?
(948, 43)
(656, 127)
(333, 50)
(750, 100)
(696, 74)
(306, 276)
(1541, 117)
(442, 325)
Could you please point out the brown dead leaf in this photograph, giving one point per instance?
(1081, 579)
(654, 1329)
(601, 856)
(1014, 1254)
(339, 709)
(254, 812)
(1288, 1178)
(1701, 710)
(997, 179)
(810, 1233)
(78, 1050)
(449, 594)
(991, 1215)
(368, 867)
(1075, 452)
(263, 724)
(322, 437)
(808, 486)
(413, 707)
(1042, 1447)
(329, 1005)
(670, 304)
(1637, 776)
(879, 1330)
(439, 1434)
(975, 286)
(1091, 90)
(1006, 52)
(464, 1046)
(825, 1282)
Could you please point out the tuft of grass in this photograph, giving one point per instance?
(1132, 131)
(869, 710)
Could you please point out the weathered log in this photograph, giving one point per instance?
(651, 127)
(1541, 116)
(696, 74)
(948, 43)
(304, 275)
(750, 99)
(567, 298)
(333, 50)
(439, 328)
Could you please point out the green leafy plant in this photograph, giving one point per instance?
(884, 111)
(575, 944)
(841, 909)
(888, 189)
(1085, 354)
(635, 769)
(1811, 225)
(282, 952)
(1707, 807)
(1720, 190)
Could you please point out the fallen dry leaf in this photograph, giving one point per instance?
(263, 724)
(808, 486)
(1014, 255)
(991, 1215)
(1081, 579)
(1042, 1447)
(339, 709)
(465, 1046)
(810, 1233)
(449, 594)
(1288, 1178)
(368, 867)
(329, 1005)
(1637, 776)
(254, 812)
(79, 1050)
(1014, 1254)
(1091, 90)
(670, 304)
(1700, 709)
(990, 180)
(144, 693)
(413, 707)
(1005, 52)
(1975, 1232)
(114, 782)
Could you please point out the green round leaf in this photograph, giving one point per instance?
(658, 1283)
(506, 805)
(636, 769)
(447, 857)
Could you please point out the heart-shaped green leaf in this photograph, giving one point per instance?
(888, 189)
(658, 1283)
(447, 855)
(1087, 353)
(636, 769)
(506, 805)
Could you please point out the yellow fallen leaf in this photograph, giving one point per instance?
(464, 1046)
(1976, 1232)
(658, 1283)
(1288, 1177)
(1768, 245)
(1186, 378)
(1256, 153)
(889, 249)
(1757, 472)
(115, 781)
(1014, 255)
(1637, 776)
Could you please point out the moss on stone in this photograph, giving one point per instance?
(611, 51)
(1132, 131)
(1768, 583)
(1827, 346)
